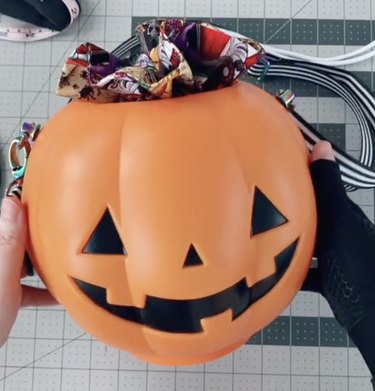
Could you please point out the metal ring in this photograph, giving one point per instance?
(18, 168)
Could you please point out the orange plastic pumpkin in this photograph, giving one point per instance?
(173, 229)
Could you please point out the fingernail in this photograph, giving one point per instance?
(14, 190)
(9, 209)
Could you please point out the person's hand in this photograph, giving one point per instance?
(13, 295)
(345, 249)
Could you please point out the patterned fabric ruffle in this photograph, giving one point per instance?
(173, 58)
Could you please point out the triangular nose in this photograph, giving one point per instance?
(192, 258)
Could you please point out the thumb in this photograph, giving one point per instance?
(12, 249)
(322, 151)
(12, 240)
(13, 234)
(325, 173)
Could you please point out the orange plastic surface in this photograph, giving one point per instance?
(172, 173)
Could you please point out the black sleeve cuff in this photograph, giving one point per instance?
(363, 335)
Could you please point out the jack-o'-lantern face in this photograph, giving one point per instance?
(185, 315)
(173, 229)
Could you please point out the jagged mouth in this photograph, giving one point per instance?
(184, 316)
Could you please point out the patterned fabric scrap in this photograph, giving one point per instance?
(171, 58)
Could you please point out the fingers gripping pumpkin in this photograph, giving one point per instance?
(173, 229)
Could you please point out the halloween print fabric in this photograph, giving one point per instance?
(173, 58)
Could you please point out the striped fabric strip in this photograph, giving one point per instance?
(355, 173)
(125, 48)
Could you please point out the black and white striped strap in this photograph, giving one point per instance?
(125, 49)
(355, 173)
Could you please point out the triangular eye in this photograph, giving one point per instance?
(192, 258)
(105, 239)
(265, 214)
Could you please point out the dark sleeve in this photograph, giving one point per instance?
(363, 335)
